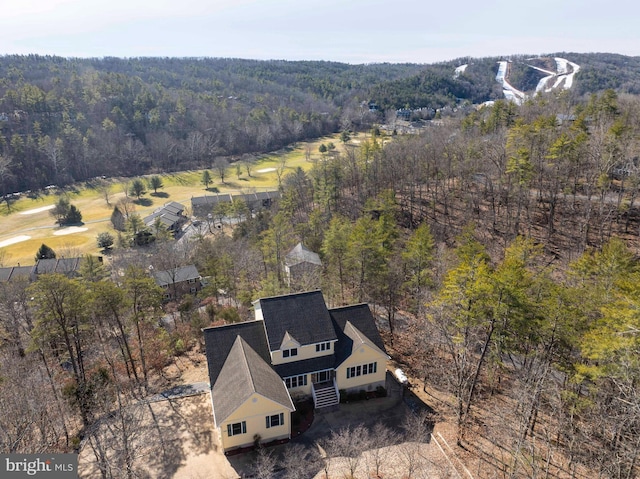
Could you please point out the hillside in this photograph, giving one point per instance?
(70, 119)
(478, 80)
(65, 120)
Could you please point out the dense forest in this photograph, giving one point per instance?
(65, 120)
(70, 119)
(499, 248)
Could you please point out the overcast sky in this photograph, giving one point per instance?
(353, 31)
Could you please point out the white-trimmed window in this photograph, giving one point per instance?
(361, 370)
(323, 347)
(275, 420)
(289, 352)
(237, 428)
(296, 381)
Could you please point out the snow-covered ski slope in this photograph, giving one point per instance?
(561, 77)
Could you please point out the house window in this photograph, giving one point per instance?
(192, 280)
(354, 371)
(296, 381)
(323, 347)
(237, 428)
(275, 420)
(167, 296)
(194, 289)
(289, 352)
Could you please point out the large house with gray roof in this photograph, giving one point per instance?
(170, 216)
(176, 282)
(295, 348)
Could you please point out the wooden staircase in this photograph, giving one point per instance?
(325, 395)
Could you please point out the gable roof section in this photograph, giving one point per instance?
(301, 254)
(174, 207)
(244, 373)
(210, 200)
(355, 325)
(15, 272)
(219, 340)
(167, 218)
(176, 275)
(59, 265)
(304, 316)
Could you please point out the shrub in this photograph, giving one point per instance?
(105, 240)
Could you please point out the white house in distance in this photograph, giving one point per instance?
(295, 348)
(302, 266)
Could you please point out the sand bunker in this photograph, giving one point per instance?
(37, 210)
(70, 230)
(15, 239)
(266, 170)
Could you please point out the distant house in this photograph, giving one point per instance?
(258, 201)
(14, 273)
(171, 216)
(202, 206)
(295, 348)
(302, 266)
(68, 266)
(179, 281)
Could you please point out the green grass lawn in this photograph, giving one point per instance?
(91, 201)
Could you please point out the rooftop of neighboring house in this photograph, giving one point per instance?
(301, 254)
(169, 214)
(68, 266)
(15, 272)
(227, 198)
(210, 200)
(174, 207)
(175, 275)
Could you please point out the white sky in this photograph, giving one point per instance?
(353, 31)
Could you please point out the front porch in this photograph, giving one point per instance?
(325, 394)
(324, 389)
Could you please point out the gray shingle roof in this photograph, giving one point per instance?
(14, 272)
(166, 218)
(300, 254)
(176, 275)
(60, 265)
(244, 373)
(307, 366)
(219, 340)
(210, 200)
(174, 207)
(304, 316)
(357, 317)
